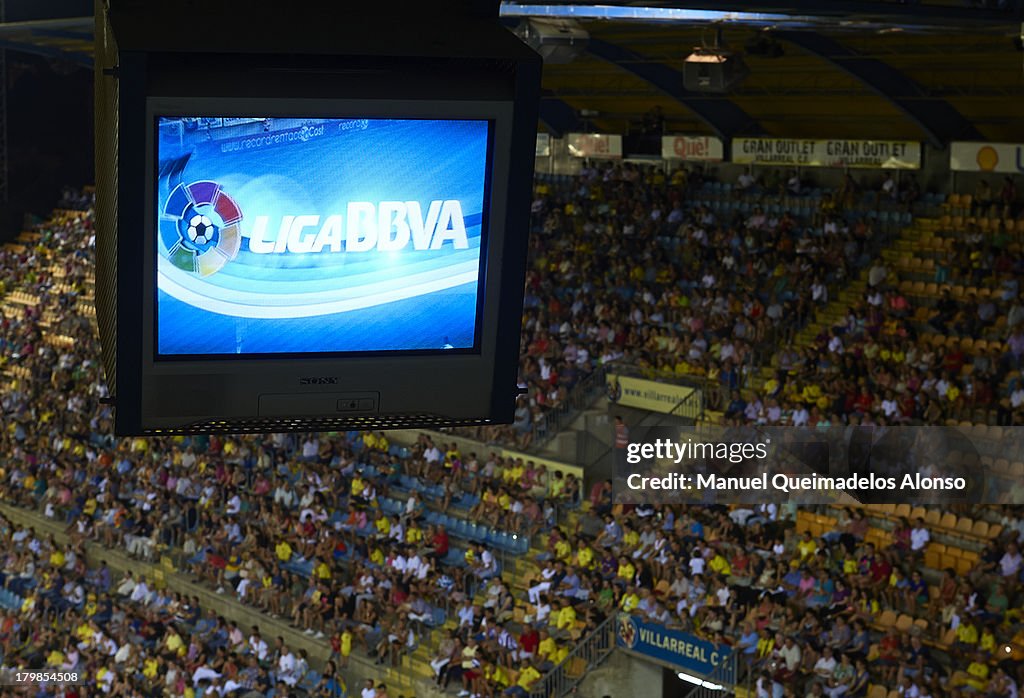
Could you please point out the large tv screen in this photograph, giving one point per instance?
(319, 235)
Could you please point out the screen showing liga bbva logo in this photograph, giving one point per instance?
(293, 235)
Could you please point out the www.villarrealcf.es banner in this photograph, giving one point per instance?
(646, 394)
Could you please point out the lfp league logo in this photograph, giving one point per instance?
(199, 227)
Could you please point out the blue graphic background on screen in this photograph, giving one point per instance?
(215, 295)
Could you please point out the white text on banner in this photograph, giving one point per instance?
(827, 153)
(595, 145)
(701, 148)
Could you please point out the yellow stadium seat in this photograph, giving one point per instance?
(965, 524)
(948, 638)
(576, 667)
(887, 619)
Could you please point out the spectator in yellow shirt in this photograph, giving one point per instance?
(547, 645)
(966, 635)
(626, 570)
(173, 642)
(719, 565)
(357, 485)
(283, 551)
(585, 556)
(565, 619)
(629, 600)
(413, 534)
(807, 547)
(563, 551)
(527, 677)
(977, 674)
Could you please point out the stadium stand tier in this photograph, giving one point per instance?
(309, 564)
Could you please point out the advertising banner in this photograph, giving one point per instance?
(1006, 158)
(543, 145)
(669, 646)
(827, 153)
(595, 145)
(695, 148)
(646, 394)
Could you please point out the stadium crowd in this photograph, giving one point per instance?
(628, 265)
(339, 534)
(880, 364)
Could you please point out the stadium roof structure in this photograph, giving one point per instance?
(930, 70)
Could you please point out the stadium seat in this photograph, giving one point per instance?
(948, 638)
(887, 619)
(964, 525)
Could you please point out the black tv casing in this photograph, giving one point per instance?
(495, 77)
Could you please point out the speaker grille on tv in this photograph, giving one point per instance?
(265, 425)
(106, 148)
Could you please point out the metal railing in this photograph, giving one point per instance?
(733, 671)
(580, 398)
(691, 407)
(589, 653)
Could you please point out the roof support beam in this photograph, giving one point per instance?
(720, 114)
(557, 116)
(77, 57)
(937, 119)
